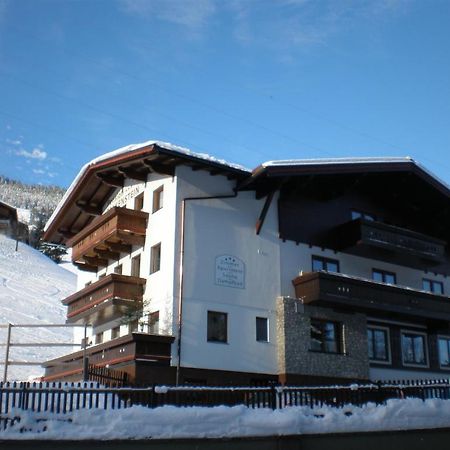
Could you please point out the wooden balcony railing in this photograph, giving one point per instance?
(120, 352)
(107, 235)
(105, 300)
(382, 241)
(357, 294)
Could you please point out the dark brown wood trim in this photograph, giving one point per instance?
(265, 209)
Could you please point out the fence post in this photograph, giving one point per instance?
(8, 341)
(273, 395)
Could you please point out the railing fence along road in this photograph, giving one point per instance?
(63, 398)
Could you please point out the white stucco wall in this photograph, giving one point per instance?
(227, 227)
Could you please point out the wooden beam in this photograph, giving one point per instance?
(93, 261)
(91, 209)
(160, 168)
(262, 216)
(110, 180)
(215, 172)
(132, 173)
(107, 254)
(131, 239)
(85, 267)
(64, 232)
(119, 248)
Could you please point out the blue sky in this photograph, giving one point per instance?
(247, 81)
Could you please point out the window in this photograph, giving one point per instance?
(217, 326)
(99, 338)
(133, 326)
(115, 332)
(414, 348)
(136, 266)
(118, 269)
(158, 198)
(378, 344)
(436, 287)
(383, 276)
(155, 258)
(444, 352)
(326, 264)
(362, 215)
(325, 336)
(139, 202)
(153, 322)
(262, 329)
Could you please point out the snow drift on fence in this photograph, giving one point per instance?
(238, 421)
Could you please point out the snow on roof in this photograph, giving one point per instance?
(323, 161)
(130, 148)
(353, 160)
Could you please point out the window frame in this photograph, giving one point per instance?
(447, 339)
(265, 338)
(338, 330)
(425, 348)
(210, 333)
(153, 259)
(153, 322)
(432, 284)
(139, 202)
(325, 261)
(383, 276)
(115, 332)
(136, 265)
(158, 199)
(387, 331)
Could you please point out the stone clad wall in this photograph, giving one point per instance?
(294, 335)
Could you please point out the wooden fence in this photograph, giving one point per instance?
(63, 398)
(106, 376)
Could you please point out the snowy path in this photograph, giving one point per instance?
(31, 289)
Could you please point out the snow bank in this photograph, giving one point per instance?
(238, 421)
(31, 289)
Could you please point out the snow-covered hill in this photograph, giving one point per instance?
(31, 289)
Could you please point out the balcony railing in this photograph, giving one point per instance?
(358, 294)
(107, 235)
(382, 241)
(105, 300)
(126, 350)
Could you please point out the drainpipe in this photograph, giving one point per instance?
(181, 271)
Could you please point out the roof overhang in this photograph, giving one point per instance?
(271, 174)
(98, 179)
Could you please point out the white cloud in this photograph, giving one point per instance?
(36, 153)
(192, 14)
(38, 171)
(292, 24)
(14, 141)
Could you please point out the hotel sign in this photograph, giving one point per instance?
(230, 272)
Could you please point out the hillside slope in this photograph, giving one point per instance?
(31, 289)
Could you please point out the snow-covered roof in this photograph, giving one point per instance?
(351, 161)
(128, 149)
(324, 161)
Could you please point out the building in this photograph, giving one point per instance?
(303, 271)
(10, 224)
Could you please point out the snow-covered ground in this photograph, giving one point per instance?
(239, 421)
(31, 289)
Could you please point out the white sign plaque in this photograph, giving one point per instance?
(230, 272)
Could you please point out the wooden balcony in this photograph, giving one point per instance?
(357, 294)
(123, 353)
(105, 300)
(107, 236)
(378, 240)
